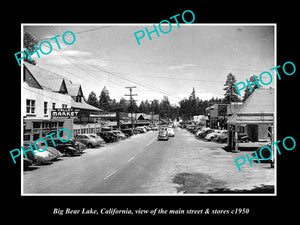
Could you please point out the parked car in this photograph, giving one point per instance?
(78, 145)
(212, 136)
(141, 129)
(66, 148)
(119, 134)
(43, 157)
(171, 132)
(204, 133)
(108, 136)
(50, 148)
(147, 128)
(243, 137)
(201, 130)
(163, 134)
(154, 128)
(127, 132)
(97, 137)
(192, 128)
(222, 137)
(88, 140)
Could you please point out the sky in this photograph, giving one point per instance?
(194, 55)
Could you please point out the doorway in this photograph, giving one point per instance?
(252, 132)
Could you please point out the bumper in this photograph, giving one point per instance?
(162, 138)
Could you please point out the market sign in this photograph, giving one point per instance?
(64, 113)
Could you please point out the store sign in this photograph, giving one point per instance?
(64, 113)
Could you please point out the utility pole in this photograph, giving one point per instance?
(151, 108)
(131, 104)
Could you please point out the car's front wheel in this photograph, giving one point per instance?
(68, 153)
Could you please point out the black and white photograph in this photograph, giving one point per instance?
(147, 112)
(144, 111)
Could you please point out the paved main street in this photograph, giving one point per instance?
(143, 165)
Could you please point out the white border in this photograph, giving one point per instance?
(151, 24)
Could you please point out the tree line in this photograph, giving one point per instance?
(188, 107)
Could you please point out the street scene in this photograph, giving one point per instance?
(183, 164)
(160, 118)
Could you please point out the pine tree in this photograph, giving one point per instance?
(247, 91)
(142, 107)
(123, 104)
(192, 103)
(29, 43)
(147, 107)
(92, 99)
(231, 94)
(104, 100)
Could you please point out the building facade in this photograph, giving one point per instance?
(219, 113)
(256, 116)
(51, 102)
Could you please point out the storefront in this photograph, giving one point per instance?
(219, 113)
(34, 129)
(255, 117)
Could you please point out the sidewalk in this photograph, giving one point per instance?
(248, 146)
(251, 146)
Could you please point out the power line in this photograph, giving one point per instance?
(124, 77)
(98, 28)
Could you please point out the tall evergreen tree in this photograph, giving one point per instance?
(29, 43)
(147, 107)
(247, 91)
(164, 107)
(92, 99)
(193, 103)
(104, 100)
(231, 94)
(155, 106)
(142, 107)
(123, 104)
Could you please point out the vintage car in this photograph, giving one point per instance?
(163, 134)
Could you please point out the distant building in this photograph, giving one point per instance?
(110, 119)
(200, 119)
(219, 113)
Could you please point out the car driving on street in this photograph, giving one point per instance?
(163, 134)
(171, 132)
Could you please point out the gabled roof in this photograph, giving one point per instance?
(83, 105)
(260, 102)
(46, 79)
(74, 89)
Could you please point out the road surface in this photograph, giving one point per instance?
(143, 165)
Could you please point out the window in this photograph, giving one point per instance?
(45, 107)
(78, 98)
(36, 124)
(30, 106)
(53, 105)
(26, 135)
(64, 106)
